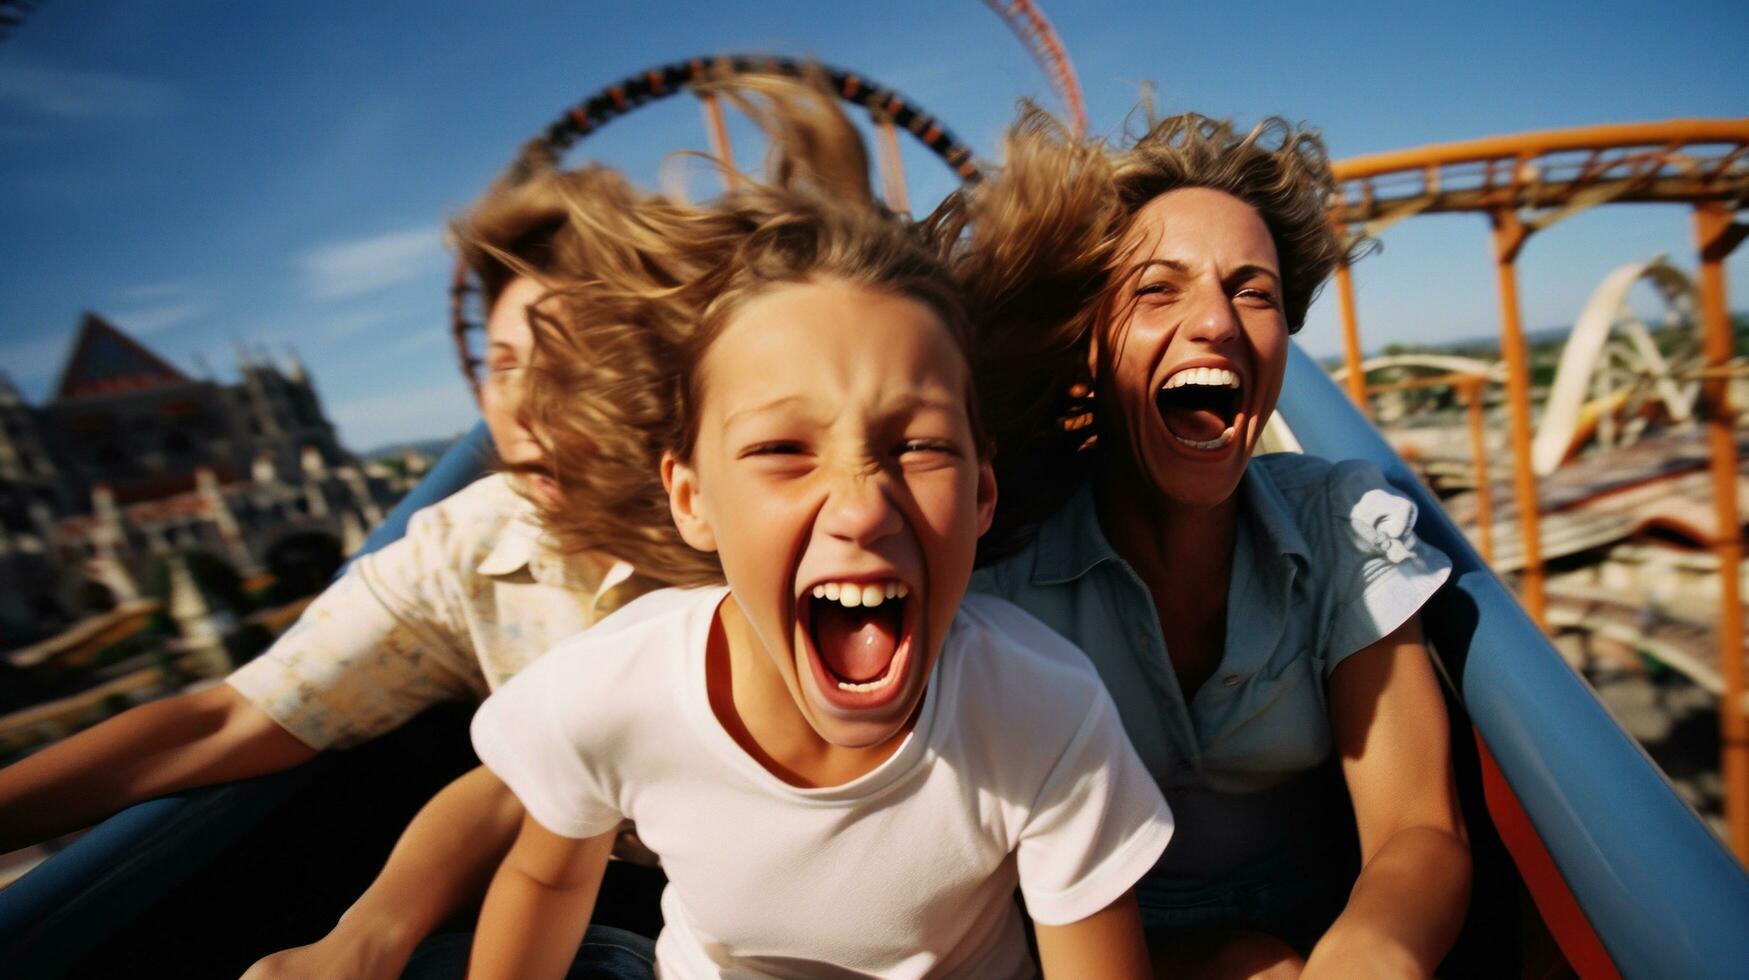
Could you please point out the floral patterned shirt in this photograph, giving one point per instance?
(467, 598)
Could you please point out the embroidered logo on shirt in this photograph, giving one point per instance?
(1385, 523)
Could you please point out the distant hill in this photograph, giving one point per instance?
(425, 447)
(1487, 346)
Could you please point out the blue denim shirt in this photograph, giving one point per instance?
(1326, 562)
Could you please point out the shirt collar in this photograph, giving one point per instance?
(1272, 517)
(519, 542)
(1269, 555)
(1071, 542)
(515, 550)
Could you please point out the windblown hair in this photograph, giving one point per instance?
(616, 380)
(1041, 251)
(520, 226)
(1280, 169)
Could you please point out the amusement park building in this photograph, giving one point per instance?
(130, 460)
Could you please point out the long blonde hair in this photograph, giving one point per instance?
(616, 378)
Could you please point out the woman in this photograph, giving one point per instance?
(1254, 618)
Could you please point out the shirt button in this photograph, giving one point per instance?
(1231, 680)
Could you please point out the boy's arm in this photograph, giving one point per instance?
(1108, 943)
(442, 862)
(213, 736)
(1390, 728)
(539, 904)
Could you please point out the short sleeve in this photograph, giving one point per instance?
(1097, 826)
(1382, 572)
(373, 650)
(520, 737)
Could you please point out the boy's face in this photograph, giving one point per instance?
(509, 345)
(836, 475)
(1189, 371)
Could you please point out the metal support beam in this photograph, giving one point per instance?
(1509, 236)
(1350, 336)
(719, 135)
(892, 167)
(1716, 235)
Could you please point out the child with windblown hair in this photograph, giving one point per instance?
(845, 763)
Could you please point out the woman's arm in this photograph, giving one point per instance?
(213, 736)
(1391, 729)
(1108, 943)
(442, 862)
(538, 906)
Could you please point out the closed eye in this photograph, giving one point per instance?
(929, 448)
(773, 449)
(1258, 295)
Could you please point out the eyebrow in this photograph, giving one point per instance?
(1141, 268)
(1246, 271)
(760, 408)
(1250, 269)
(908, 402)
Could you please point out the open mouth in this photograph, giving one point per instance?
(859, 633)
(1200, 406)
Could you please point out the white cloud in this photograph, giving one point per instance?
(71, 94)
(420, 339)
(347, 324)
(405, 416)
(352, 268)
(148, 291)
(152, 319)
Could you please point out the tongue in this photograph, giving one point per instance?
(855, 644)
(1195, 424)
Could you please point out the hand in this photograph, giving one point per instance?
(1361, 957)
(354, 953)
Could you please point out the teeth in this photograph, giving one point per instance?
(1215, 443)
(873, 685)
(854, 594)
(1209, 377)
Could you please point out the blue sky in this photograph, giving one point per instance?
(207, 174)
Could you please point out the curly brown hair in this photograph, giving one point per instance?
(1281, 170)
(1040, 251)
(616, 380)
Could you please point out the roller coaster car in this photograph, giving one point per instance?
(1576, 835)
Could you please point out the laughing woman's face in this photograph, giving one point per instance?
(1189, 364)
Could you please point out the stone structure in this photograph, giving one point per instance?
(131, 461)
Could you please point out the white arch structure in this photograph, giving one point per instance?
(1606, 310)
(1446, 363)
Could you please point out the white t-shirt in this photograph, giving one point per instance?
(1018, 772)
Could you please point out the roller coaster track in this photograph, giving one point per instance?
(1553, 174)
(1028, 23)
(889, 110)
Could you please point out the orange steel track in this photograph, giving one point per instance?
(1526, 183)
(1028, 23)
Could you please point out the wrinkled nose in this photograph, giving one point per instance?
(1212, 319)
(858, 510)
